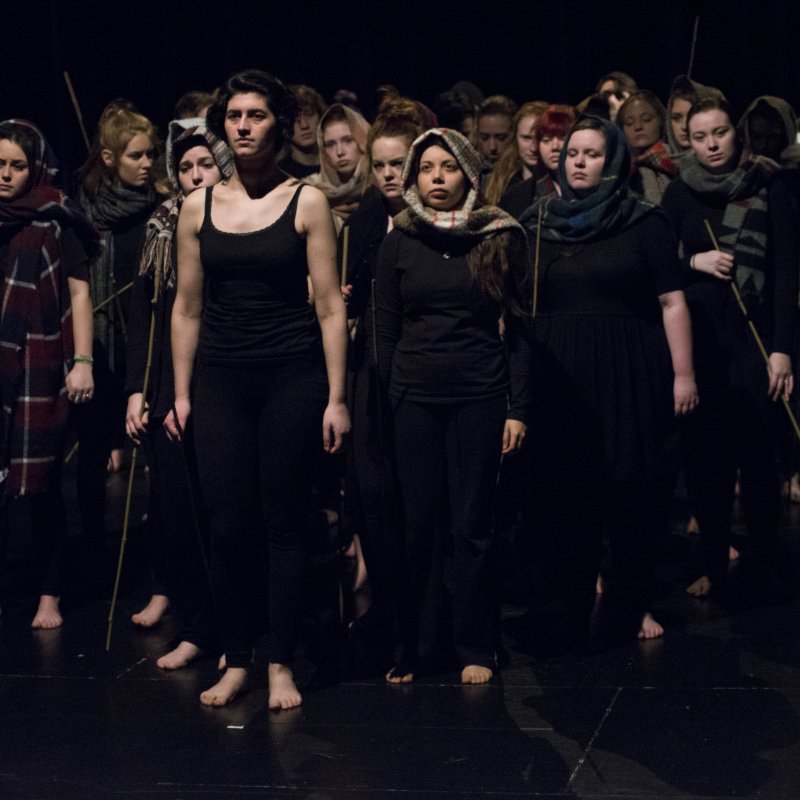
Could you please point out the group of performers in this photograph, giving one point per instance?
(575, 302)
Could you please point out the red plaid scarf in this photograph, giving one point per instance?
(35, 331)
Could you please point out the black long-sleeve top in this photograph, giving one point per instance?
(438, 332)
(715, 312)
(367, 228)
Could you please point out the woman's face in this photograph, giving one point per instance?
(713, 138)
(550, 151)
(341, 149)
(441, 182)
(388, 156)
(641, 125)
(134, 164)
(586, 155)
(677, 119)
(249, 125)
(196, 169)
(14, 170)
(526, 142)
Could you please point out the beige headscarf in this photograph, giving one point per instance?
(343, 196)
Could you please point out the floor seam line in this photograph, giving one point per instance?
(588, 748)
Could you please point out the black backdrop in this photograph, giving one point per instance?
(152, 51)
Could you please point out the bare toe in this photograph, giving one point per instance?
(48, 614)
(152, 613)
(225, 691)
(183, 654)
(650, 628)
(474, 674)
(283, 693)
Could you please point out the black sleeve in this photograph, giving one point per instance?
(139, 311)
(784, 220)
(389, 304)
(516, 335)
(74, 255)
(661, 246)
(671, 204)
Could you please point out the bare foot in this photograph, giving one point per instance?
(222, 664)
(650, 628)
(114, 460)
(283, 692)
(700, 588)
(397, 676)
(151, 614)
(361, 566)
(226, 690)
(794, 488)
(733, 553)
(474, 674)
(183, 654)
(693, 526)
(48, 615)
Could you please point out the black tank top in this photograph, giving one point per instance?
(255, 308)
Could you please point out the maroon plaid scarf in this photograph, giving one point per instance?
(35, 329)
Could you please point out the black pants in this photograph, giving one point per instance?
(177, 545)
(99, 423)
(729, 432)
(371, 493)
(48, 526)
(451, 452)
(255, 432)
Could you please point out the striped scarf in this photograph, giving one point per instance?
(157, 253)
(472, 218)
(745, 223)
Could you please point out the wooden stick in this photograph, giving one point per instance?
(113, 297)
(345, 247)
(694, 46)
(536, 261)
(122, 543)
(754, 332)
(77, 108)
(126, 520)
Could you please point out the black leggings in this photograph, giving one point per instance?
(177, 546)
(48, 532)
(728, 432)
(255, 433)
(450, 451)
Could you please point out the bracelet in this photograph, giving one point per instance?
(691, 261)
(79, 359)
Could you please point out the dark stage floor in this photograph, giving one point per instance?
(711, 710)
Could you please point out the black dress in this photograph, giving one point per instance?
(604, 376)
(602, 428)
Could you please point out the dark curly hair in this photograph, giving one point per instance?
(280, 101)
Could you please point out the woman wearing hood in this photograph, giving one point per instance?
(767, 128)
(195, 158)
(642, 119)
(344, 172)
(612, 349)
(45, 344)
(446, 276)
(751, 216)
(682, 96)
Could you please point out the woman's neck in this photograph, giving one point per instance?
(259, 177)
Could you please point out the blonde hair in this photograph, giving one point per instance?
(510, 162)
(117, 126)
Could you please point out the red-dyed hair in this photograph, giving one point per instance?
(555, 121)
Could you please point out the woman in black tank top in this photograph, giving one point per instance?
(265, 371)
